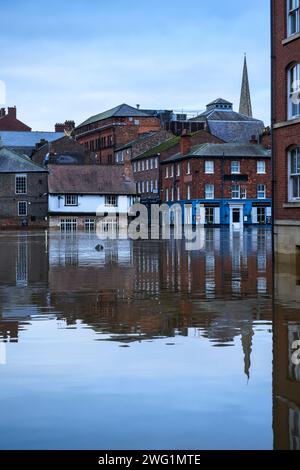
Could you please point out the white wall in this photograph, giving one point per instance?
(88, 204)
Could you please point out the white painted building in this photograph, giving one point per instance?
(82, 195)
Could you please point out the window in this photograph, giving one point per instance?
(147, 186)
(156, 162)
(188, 192)
(139, 166)
(293, 17)
(188, 170)
(244, 193)
(156, 185)
(167, 195)
(261, 167)
(167, 172)
(21, 184)
(71, 200)
(151, 164)
(261, 215)
(111, 201)
(178, 194)
(294, 177)
(178, 169)
(209, 167)
(143, 165)
(151, 186)
(209, 191)
(142, 187)
(261, 191)
(235, 191)
(68, 225)
(294, 91)
(134, 168)
(209, 215)
(90, 225)
(235, 167)
(172, 171)
(172, 194)
(22, 208)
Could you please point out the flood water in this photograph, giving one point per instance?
(145, 345)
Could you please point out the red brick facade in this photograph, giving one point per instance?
(286, 128)
(106, 135)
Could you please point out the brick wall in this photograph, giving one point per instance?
(285, 136)
(9, 121)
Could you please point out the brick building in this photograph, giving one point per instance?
(63, 151)
(147, 169)
(231, 183)
(9, 121)
(23, 191)
(286, 125)
(140, 145)
(107, 131)
(26, 142)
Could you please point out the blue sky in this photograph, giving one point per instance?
(71, 59)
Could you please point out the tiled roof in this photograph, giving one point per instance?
(89, 179)
(26, 139)
(12, 162)
(236, 131)
(167, 144)
(135, 141)
(224, 150)
(219, 101)
(123, 110)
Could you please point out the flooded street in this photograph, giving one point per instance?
(145, 344)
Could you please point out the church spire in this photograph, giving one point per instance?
(245, 102)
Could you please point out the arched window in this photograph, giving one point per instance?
(294, 173)
(294, 91)
(293, 17)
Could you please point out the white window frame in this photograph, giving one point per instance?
(22, 203)
(156, 162)
(167, 195)
(209, 167)
(259, 170)
(293, 175)
(111, 200)
(236, 191)
(147, 164)
(178, 193)
(71, 200)
(178, 169)
(209, 191)
(188, 192)
(236, 171)
(294, 91)
(167, 172)
(188, 170)
(18, 184)
(293, 17)
(243, 193)
(261, 191)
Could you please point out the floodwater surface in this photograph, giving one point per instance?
(144, 345)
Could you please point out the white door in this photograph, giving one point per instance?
(237, 217)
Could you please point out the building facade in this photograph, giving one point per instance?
(286, 126)
(105, 132)
(219, 184)
(23, 192)
(81, 196)
(9, 121)
(147, 169)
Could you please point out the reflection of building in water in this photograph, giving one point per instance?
(286, 375)
(23, 280)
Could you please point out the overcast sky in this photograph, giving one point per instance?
(72, 59)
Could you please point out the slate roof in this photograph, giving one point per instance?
(219, 101)
(135, 141)
(123, 110)
(26, 139)
(227, 150)
(89, 179)
(12, 162)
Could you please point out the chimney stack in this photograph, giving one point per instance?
(67, 126)
(12, 112)
(185, 143)
(128, 173)
(2, 112)
(138, 106)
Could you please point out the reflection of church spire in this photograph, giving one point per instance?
(245, 101)
(247, 335)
